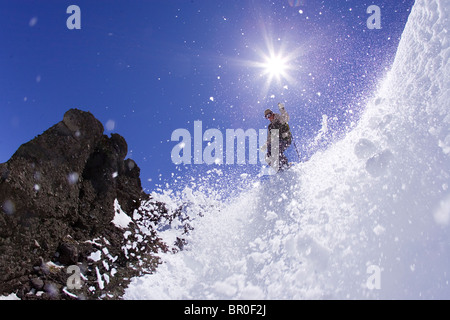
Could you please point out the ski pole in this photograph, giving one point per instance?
(296, 149)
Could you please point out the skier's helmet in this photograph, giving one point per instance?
(268, 111)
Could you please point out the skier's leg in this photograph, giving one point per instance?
(280, 156)
(269, 154)
(284, 162)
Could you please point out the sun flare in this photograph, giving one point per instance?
(275, 66)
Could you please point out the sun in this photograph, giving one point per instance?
(275, 66)
(276, 69)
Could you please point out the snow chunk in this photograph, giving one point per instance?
(271, 215)
(251, 292)
(365, 149)
(445, 145)
(378, 230)
(442, 213)
(226, 288)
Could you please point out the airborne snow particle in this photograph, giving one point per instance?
(110, 125)
(131, 165)
(33, 21)
(72, 178)
(211, 98)
(9, 207)
(51, 289)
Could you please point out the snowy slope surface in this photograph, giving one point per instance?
(367, 218)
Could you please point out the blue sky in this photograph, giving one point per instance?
(146, 68)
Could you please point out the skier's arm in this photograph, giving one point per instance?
(284, 116)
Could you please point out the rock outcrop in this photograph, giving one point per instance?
(69, 198)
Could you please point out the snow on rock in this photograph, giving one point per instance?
(121, 219)
(11, 296)
(95, 256)
(376, 201)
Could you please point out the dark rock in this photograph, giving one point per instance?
(68, 253)
(57, 196)
(37, 283)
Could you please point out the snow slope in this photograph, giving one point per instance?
(367, 218)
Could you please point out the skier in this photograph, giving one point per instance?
(279, 122)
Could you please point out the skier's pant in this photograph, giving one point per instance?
(282, 146)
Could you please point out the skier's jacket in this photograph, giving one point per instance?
(281, 123)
